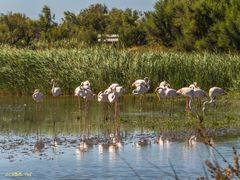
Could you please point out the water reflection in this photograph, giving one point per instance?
(137, 141)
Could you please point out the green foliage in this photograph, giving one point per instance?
(195, 25)
(179, 24)
(24, 70)
(16, 29)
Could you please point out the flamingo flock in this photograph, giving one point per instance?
(113, 93)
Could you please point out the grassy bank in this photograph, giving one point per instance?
(23, 70)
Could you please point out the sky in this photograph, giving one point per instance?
(32, 8)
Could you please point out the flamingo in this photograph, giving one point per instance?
(140, 82)
(194, 85)
(56, 91)
(165, 92)
(111, 95)
(103, 97)
(37, 96)
(198, 93)
(85, 85)
(213, 93)
(84, 91)
(142, 86)
(188, 93)
(115, 94)
(164, 84)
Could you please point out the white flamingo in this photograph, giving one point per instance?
(198, 93)
(164, 85)
(140, 82)
(103, 97)
(84, 91)
(37, 95)
(189, 94)
(142, 86)
(85, 85)
(115, 94)
(56, 91)
(111, 95)
(213, 93)
(165, 92)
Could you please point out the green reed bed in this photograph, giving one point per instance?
(23, 70)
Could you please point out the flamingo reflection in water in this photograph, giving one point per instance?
(112, 144)
(38, 97)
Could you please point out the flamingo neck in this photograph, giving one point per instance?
(53, 85)
(207, 102)
(190, 103)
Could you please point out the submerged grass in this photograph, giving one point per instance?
(23, 70)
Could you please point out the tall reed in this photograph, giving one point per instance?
(23, 70)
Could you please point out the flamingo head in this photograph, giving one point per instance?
(146, 79)
(36, 91)
(100, 96)
(179, 91)
(195, 84)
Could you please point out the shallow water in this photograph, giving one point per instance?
(25, 123)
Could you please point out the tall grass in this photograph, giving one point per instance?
(23, 70)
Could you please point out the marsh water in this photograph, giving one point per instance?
(42, 140)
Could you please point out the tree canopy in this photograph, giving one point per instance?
(179, 24)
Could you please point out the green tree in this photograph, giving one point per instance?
(16, 29)
(131, 32)
(229, 37)
(162, 24)
(46, 23)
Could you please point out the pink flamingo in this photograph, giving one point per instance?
(213, 93)
(188, 93)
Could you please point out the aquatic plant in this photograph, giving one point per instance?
(23, 70)
(216, 171)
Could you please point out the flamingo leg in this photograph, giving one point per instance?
(187, 103)
(116, 110)
(79, 108)
(140, 104)
(159, 98)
